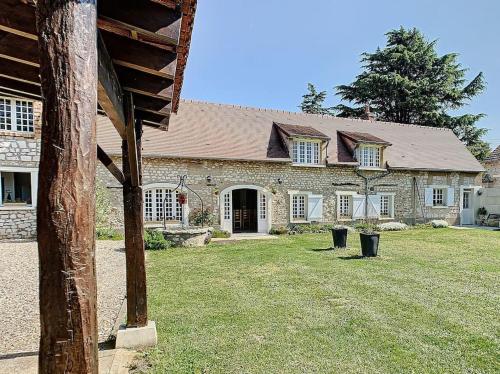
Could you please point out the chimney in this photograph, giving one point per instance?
(368, 115)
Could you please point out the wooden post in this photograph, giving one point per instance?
(66, 195)
(137, 314)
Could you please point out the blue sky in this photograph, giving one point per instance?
(263, 53)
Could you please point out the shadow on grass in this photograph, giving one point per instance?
(353, 257)
(322, 249)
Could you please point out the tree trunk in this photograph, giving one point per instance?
(137, 314)
(66, 195)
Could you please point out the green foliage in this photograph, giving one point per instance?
(408, 82)
(279, 230)
(482, 211)
(108, 233)
(366, 227)
(309, 228)
(196, 216)
(155, 241)
(104, 212)
(312, 102)
(220, 234)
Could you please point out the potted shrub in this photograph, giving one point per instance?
(369, 243)
(339, 234)
(482, 214)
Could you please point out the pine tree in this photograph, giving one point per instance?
(408, 82)
(312, 102)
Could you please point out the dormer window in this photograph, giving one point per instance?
(306, 152)
(16, 115)
(369, 156)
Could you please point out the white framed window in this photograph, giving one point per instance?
(306, 152)
(18, 187)
(160, 202)
(369, 156)
(438, 197)
(386, 206)
(262, 206)
(16, 115)
(299, 207)
(345, 206)
(227, 206)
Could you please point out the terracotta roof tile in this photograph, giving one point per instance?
(216, 131)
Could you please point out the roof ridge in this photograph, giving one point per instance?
(246, 107)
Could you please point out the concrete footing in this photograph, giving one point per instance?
(137, 337)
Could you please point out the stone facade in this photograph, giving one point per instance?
(20, 152)
(325, 181)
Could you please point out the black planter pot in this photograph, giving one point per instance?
(339, 238)
(369, 244)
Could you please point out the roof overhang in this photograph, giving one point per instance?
(147, 43)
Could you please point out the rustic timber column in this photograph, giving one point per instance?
(66, 208)
(137, 313)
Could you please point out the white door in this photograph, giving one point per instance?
(227, 212)
(262, 212)
(467, 212)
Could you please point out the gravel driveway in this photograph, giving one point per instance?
(19, 314)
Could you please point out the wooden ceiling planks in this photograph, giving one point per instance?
(147, 41)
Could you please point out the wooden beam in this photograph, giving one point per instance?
(130, 31)
(131, 141)
(66, 212)
(19, 48)
(19, 86)
(19, 71)
(110, 165)
(18, 17)
(109, 91)
(146, 18)
(137, 312)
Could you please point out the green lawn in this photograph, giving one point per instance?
(428, 303)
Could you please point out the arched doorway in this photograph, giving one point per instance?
(245, 209)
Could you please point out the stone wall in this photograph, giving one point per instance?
(20, 150)
(318, 180)
(18, 224)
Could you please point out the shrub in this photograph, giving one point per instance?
(221, 234)
(438, 223)
(278, 230)
(155, 241)
(364, 227)
(108, 233)
(392, 226)
(196, 216)
(349, 228)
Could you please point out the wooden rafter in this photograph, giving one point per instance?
(110, 94)
(110, 165)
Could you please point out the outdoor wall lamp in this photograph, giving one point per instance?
(280, 181)
(209, 179)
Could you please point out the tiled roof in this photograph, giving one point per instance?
(216, 131)
(363, 137)
(297, 130)
(494, 156)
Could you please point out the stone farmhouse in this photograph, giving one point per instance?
(255, 169)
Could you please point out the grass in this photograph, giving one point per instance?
(428, 303)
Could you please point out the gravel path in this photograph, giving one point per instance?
(19, 315)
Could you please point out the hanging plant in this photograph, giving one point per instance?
(273, 190)
(216, 191)
(182, 198)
